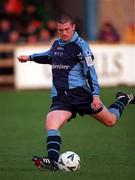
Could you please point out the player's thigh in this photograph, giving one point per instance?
(55, 119)
(105, 117)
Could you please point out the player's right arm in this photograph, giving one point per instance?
(23, 58)
(42, 58)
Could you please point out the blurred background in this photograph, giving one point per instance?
(28, 26)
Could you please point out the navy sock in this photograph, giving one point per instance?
(118, 107)
(53, 144)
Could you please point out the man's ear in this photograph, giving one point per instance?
(74, 26)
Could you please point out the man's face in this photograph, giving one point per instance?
(65, 31)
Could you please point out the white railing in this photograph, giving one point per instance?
(115, 65)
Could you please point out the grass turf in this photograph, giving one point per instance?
(106, 153)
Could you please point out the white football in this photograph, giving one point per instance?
(69, 161)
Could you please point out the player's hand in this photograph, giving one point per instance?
(96, 104)
(23, 58)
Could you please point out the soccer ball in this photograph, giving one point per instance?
(69, 161)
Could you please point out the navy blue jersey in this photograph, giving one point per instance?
(72, 65)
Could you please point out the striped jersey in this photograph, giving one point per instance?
(72, 65)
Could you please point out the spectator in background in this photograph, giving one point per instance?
(5, 29)
(44, 35)
(51, 26)
(14, 37)
(29, 14)
(32, 39)
(108, 33)
(129, 35)
(13, 7)
(31, 29)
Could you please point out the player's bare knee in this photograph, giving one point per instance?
(51, 124)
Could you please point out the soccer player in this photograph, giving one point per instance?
(75, 88)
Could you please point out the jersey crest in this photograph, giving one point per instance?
(89, 61)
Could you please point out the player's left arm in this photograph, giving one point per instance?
(89, 69)
(91, 75)
(93, 83)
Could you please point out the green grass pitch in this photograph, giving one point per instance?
(106, 153)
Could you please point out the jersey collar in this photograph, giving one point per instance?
(74, 37)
